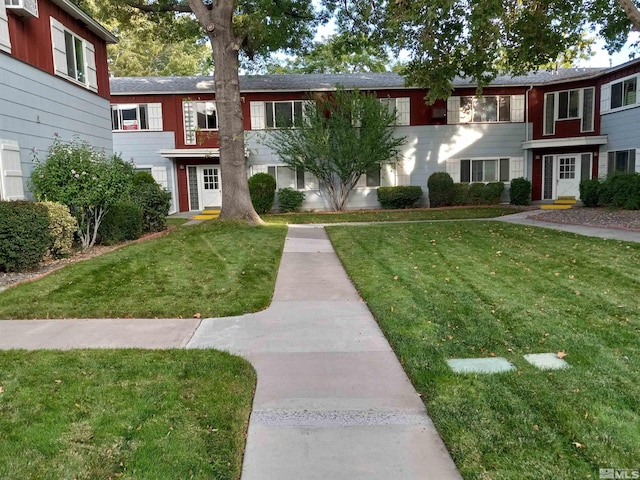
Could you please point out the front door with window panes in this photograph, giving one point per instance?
(568, 172)
(562, 174)
(208, 187)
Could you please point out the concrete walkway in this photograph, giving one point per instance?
(332, 400)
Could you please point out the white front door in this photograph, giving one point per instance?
(567, 176)
(210, 186)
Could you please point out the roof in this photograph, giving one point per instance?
(92, 24)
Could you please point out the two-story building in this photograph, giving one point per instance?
(54, 79)
(555, 128)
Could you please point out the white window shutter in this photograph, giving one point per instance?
(310, 181)
(453, 110)
(516, 167)
(11, 187)
(59, 49)
(403, 111)
(159, 174)
(5, 40)
(605, 98)
(190, 121)
(387, 174)
(637, 166)
(452, 166)
(90, 59)
(257, 116)
(517, 108)
(154, 113)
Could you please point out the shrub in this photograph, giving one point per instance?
(476, 193)
(122, 222)
(493, 193)
(154, 202)
(520, 192)
(622, 190)
(589, 192)
(440, 185)
(143, 178)
(290, 200)
(62, 228)
(460, 194)
(262, 188)
(24, 235)
(399, 197)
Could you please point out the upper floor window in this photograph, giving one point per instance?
(575, 104)
(207, 115)
(73, 57)
(283, 114)
(488, 108)
(136, 116)
(624, 93)
(401, 107)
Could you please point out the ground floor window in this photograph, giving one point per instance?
(296, 178)
(484, 170)
(621, 161)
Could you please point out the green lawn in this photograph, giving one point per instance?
(416, 214)
(479, 289)
(126, 414)
(176, 221)
(215, 269)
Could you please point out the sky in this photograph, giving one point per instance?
(602, 58)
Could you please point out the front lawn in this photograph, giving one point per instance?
(417, 214)
(214, 269)
(126, 414)
(484, 289)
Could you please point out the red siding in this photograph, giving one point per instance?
(31, 41)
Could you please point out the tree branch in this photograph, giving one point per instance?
(632, 13)
(155, 8)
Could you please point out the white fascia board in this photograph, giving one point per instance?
(565, 142)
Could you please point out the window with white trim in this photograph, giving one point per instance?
(207, 115)
(401, 107)
(73, 57)
(283, 114)
(296, 178)
(569, 105)
(621, 161)
(485, 109)
(624, 93)
(136, 116)
(484, 170)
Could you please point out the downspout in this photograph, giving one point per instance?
(526, 136)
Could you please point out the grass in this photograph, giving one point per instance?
(176, 221)
(215, 269)
(127, 414)
(479, 289)
(418, 214)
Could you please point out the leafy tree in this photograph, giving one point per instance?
(480, 39)
(340, 138)
(83, 178)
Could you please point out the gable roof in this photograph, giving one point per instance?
(92, 24)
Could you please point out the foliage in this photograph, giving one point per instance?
(24, 235)
(62, 228)
(490, 193)
(290, 200)
(83, 178)
(460, 194)
(135, 414)
(520, 191)
(154, 202)
(143, 178)
(446, 39)
(589, 192)
(440, 186)
(621, 190)
(122, 222)
(262, 188)
(486, 289)
(339, 138)
(399, 197)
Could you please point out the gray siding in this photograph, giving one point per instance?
(426, 150)
(35, 105)
(621, 128)
(142, 148)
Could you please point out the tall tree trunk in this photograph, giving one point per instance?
(632, 13)
(217, 23)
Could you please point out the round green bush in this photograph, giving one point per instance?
(493, 193)
(143, 178)
(440, 185)
(590, 192)
(520, 191)
(24, 235)
(399, 197)
(460, 194)
(122, 222)
(290, 200)
(154, 202)
(262, 188)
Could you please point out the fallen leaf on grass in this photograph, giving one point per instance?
(561, 354)
(536, 427)
(578, 445)
(197, 315)
(1, 389)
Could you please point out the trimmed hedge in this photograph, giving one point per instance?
(440, 185)
(460, 194)
(589, 192)
(262, 188)
(24, 235)
(290, 200)
(154, 202)
(62, 228)
(122, 222)
(520, 191)
(399, 197)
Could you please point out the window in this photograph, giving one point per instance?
(624, 93)
(73, 57)
(282, 114)
(484, 170)
(207, 115)
(485, 109)
(134, 116)
(211, 180)
(567, 168)
(401, 107)
(621, 161)
(568, 104)
(296, 178)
